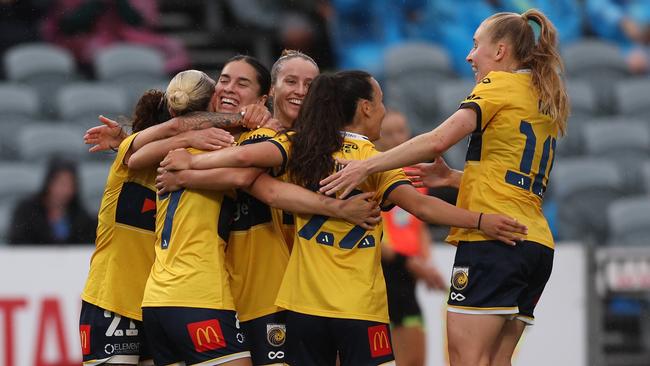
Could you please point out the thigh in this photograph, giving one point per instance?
(206, 336)
(539, 260)
(266, 337)
(409, 345)
(363, 343)
(471, 337)
(487, 278)
(107, 337)
(309, 340)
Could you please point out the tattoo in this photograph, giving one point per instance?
(203, 120)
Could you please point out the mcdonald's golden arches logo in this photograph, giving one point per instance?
(379, 340)
(84, 335)
(206, 335)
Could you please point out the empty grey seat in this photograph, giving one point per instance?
(37, 142)
(125, 62)
(572, 143)
(629, 221)
(645, 171)
(583, 188)
(451, 93)
(633, 98)
(43, 66)
(81, 103)
(414, 57)
(19, 179)
(583, 99)
(92, 177)
(6, 212)
(17, 102)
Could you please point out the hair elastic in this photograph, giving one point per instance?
(537, 29)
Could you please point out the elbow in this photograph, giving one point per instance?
(243, 159)
(135, 163)
(245, 179)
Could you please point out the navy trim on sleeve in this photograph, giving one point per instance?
(384, 197)
(285, 159)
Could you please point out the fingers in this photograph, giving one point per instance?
(413, 172)
(346, 192)
(108, 122)
(325, 183)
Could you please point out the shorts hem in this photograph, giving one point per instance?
(526, 319)
(483, 311)
(223, 359)
(389, 363)
(121, 359)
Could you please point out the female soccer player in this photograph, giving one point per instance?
(333, 288)
(514, 115)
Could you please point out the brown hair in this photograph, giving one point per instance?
(285, 56)
(150, 110)
(537, 52)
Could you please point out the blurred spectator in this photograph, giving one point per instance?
(362, 30)
(626, 22)
(55, 215)
(86, 26)
(295, 24)
(17, 21)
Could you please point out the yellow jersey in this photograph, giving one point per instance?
(335, 267)
(510, 155)
(192, 227)
(124, 249)
(257, 253)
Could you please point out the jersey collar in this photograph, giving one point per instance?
(353, 135)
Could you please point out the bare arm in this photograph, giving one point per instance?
(219, 179)
(290, 197)
(437, 211)
(187, 122)
(418, 149)
(261, 155)
(152, 153)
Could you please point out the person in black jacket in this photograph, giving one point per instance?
(54, 215)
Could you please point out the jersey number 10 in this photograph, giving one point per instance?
(521, 178)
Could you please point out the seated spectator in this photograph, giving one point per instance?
(84, 27)
(626, 22)
(55, 214)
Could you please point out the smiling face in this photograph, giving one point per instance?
(237, 87)
(483, 56)
(292, 83)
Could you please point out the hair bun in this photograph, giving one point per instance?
(178, 100)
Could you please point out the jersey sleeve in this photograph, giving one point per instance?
(487, 98)
(283, 143)
(119, 165)
(258, 135)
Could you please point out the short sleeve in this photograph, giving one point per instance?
(283, 143)
(487, 98)
(258, 135)
(119, 166)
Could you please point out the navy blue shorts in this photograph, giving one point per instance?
(109, 337)
(490, 277)
(316, 340)
(267, 337)
(193, 335)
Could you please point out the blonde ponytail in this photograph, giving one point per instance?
(189, 91)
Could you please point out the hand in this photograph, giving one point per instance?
(361, 210)
(431, 175)
(210, 139)
(423, 270)
(346, 179)
(179, 159)
(167, 181)
(254, 116)
(108, 136)
(503, 228)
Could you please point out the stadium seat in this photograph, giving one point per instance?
(19, 180)
(572, 144)
(626, 143)
(450, 94)
(43, 66)
(633, 98)
(92, 176)
(37, 142)
(412, 70)
(17, 102)
(601, 64)
(583, 188)
(6, 212)
(583, 100)
(81, 103)
(645, 171)
(629, 221)
(125, 62)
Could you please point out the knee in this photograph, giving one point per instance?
(459, 356)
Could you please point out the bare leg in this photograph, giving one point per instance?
(471, 338)
(240, 362)
(408, 346)
(506, 342)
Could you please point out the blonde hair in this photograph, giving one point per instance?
(189, 91)
(539, 53)
(285, 56)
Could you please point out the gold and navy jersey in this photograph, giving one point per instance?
(335, 267)
(124, 249)
(510, 155)
(257, 253)
(192, 227)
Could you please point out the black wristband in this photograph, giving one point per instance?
(480, 216)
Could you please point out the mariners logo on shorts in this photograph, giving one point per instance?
(276, 334)
(460, 278)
